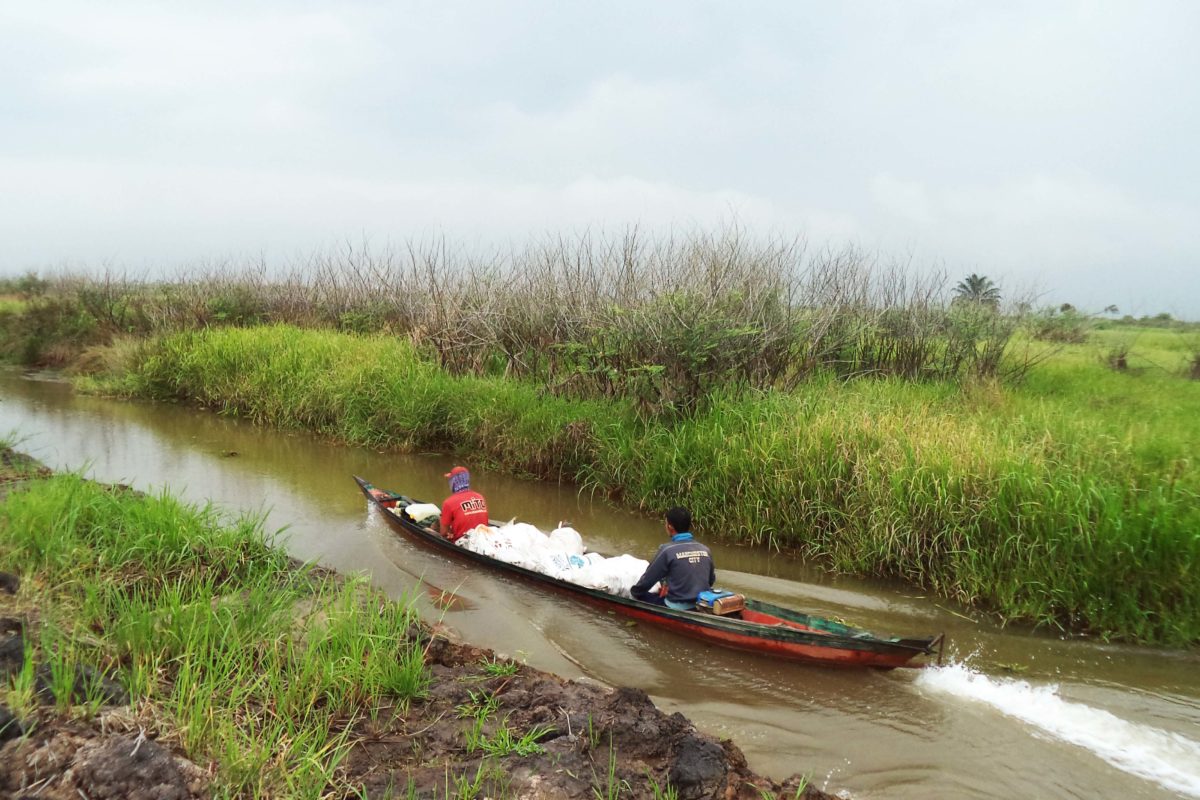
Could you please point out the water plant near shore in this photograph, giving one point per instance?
(1013, 500)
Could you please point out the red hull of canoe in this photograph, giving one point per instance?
(788, 640)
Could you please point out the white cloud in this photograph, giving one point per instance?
(907, 201)
(1051, 218)
(1016, 140)
(1073, 236)
(160, 49)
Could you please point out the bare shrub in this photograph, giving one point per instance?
(1117, 357)
(1063, 325)
(664, 321)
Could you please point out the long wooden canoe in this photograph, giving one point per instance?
(760, 628)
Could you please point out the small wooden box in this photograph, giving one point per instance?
(721, 603)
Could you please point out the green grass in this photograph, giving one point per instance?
(975, 506)
(496, 667)
(250, 663)
(1069, 500)
(374, 391)
(611, 786)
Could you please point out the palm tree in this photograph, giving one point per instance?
(977, 289)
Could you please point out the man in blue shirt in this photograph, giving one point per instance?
(684, 565)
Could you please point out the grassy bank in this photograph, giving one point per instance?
(228, 653)
(1070, 500)
(149, 649)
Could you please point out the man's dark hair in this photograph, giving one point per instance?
(680, 519)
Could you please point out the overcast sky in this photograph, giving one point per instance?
(1047, 143)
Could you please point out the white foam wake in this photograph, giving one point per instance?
(1168, 759)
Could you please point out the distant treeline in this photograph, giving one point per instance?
(1162, 320)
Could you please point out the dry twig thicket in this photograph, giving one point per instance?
(665, 321)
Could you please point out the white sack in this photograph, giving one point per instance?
(567, 540)
(516, 543)
(419, 512)
(525, 546)
(560, 564)
(613, 575)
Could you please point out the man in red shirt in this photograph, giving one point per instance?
(463, 509)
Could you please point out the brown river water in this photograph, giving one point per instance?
(1012, 713)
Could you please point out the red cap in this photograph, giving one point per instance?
(455, 471)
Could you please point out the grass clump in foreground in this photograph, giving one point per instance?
(1069, 501)
(271, 680)
(239, 658)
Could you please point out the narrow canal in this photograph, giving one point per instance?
(1013, 713)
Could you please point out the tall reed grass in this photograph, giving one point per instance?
(664, 321)
(251, 664)
(1051, 504)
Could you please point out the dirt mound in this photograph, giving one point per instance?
(590, 741)
(135, 768)
(16, 467)
(487, 727)
(69, 760)
(593, 741)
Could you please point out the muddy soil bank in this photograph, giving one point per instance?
(596, 740)
(579, 739)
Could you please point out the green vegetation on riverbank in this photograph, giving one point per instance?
(1070, 500)
(227, 651)
(1037, 463)
(148, 648)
